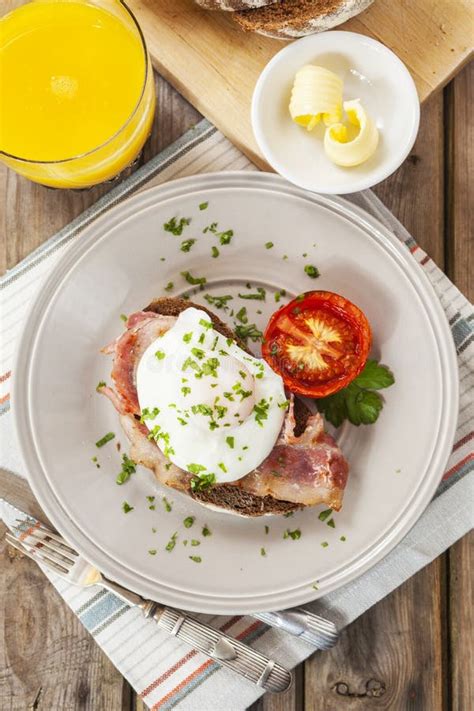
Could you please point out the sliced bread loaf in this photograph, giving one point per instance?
(233, 5)
(295, 18)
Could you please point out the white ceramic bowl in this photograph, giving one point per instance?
(371, 73)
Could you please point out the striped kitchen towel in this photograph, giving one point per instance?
(166, 674)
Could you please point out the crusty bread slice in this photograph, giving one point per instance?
(296, 18)
(232, 5)
(226, 496)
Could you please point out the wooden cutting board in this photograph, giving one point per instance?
(215, 65)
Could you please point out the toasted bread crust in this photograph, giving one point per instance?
(229, 496)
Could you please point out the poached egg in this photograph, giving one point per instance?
(211, 408)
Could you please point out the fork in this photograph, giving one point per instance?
(52, 551)
(298, 622)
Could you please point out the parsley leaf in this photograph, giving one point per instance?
(106, 438)
(358, 402)
(203, 205)
(312, 271)
(220, 302)
(187, 244)
(248, 331)
(129, 467)
(203, 481)
(195, 281)
(259, 296)
(175, 227)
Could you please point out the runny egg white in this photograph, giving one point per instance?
(210, 406)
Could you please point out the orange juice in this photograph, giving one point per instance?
(76, 91)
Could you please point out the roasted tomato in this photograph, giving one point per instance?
(318, 343)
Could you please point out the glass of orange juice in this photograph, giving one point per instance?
(77, 94)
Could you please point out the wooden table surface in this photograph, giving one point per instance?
(412, 651)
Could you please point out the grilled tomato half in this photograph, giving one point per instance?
(318, 343)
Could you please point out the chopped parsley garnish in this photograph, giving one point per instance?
(261, 411)
(222, 466)
(211, 228)
(175, 227)
(268, 245)
(149, 414)
(168, 506)
(279, 294)
(238, 389)
(195, 542)
(198, 352)
(311, 271)
(209, 367)
(169, 286)
(204, 323)
(154, 530)
(129, 467)
(230, 441)
(259, 296)
(160, 355)
(187, 337)
(124, 317)
(267, 529)
(288, 514)
(331, 523)
(188, 521)
(202, 482)
(263, 552)
(358, 402)
(201, 409)
(101, 384)
(324, 544)
(323, 515)
(152, 551)
(195, 558)
(126, 508)
(172, 542)
(343, 539)
(194, 281)
(220, 302)
(214, 252)
(225, 237)
(241, 315)
(187, 244)
(150, 499)
(195, 468)
(248, 331)
(294, 535)
(185, 390)
(203, 206)
(206, 531)
(106, 438)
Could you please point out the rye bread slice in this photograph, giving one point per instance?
(228, 496)
(232, 5)
(297, 18)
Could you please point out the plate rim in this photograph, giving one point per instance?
(105, 224)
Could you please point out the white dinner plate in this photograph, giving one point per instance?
(118, 265)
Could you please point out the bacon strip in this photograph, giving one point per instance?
(307, 469)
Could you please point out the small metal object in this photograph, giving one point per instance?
(223, 649)
(51, 550)
(315, 630)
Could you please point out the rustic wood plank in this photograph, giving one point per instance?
(44, 646)
(460, 266)
(382, 659)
